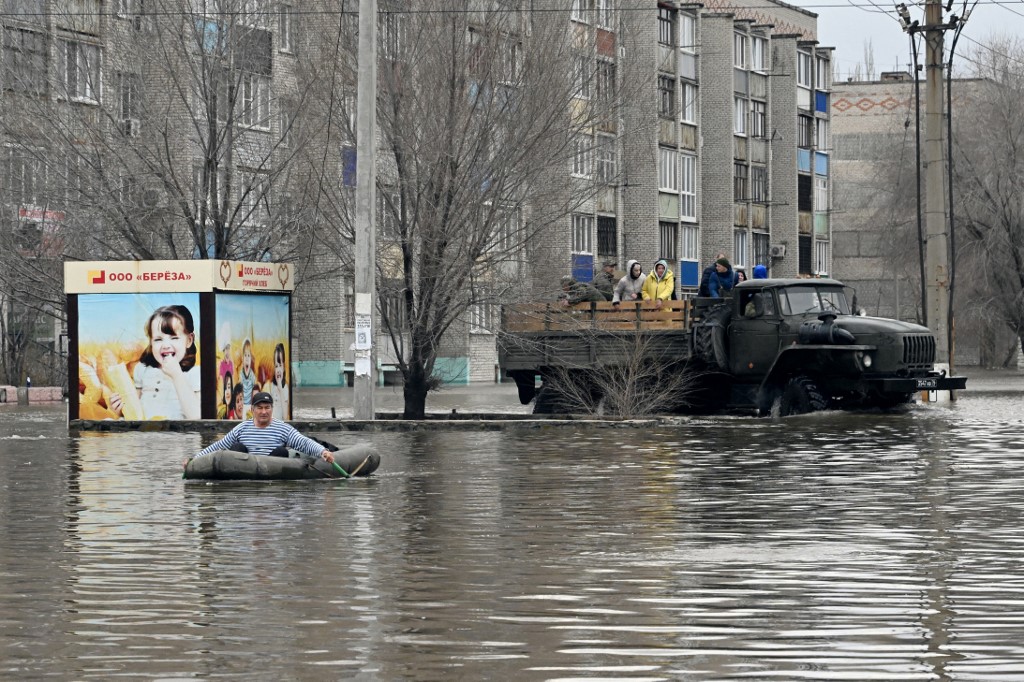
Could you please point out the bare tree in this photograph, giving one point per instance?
(988, 157)
(645, 379)
(483, 115)
(172, 129)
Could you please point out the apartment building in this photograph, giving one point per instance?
(184, 130)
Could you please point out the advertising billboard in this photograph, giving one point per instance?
(134, 332)
(138, 356)
(252, 353)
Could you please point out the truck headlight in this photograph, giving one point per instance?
(867, 360)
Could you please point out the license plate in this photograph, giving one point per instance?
(927, 383)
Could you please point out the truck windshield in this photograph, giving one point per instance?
(803, 299)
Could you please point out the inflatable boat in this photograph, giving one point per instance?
(228, 465)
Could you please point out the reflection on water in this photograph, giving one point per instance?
(830, 546)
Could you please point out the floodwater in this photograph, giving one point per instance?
(823, 547)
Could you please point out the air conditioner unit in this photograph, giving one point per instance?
(152, 198)
(778, 250)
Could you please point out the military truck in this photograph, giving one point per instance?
(782, 346)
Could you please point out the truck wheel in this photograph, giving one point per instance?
(800, 396)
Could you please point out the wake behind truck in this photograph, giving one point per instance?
(782, 346)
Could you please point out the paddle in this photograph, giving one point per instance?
(344, 474)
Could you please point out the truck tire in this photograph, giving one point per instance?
(711, 337)
(800, 396)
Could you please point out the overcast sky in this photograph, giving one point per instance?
(848, 27)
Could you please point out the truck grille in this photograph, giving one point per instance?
(919, 351)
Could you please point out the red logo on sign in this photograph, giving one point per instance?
(97, 276)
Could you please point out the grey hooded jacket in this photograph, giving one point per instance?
(628, 287)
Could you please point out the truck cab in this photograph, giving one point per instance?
(795, 345)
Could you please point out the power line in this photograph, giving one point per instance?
(870, 6)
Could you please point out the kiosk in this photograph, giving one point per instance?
(177, 340)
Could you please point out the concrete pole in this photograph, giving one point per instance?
(366, 205)
(937, 235)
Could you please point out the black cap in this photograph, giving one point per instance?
(262, 397)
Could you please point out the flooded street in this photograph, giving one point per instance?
(825, 547)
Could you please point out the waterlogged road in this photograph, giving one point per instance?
(825, 547)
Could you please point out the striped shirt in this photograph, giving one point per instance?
(261, 441)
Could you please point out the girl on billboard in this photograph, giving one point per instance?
(279, 385)
(166, 375)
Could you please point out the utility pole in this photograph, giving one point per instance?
(366, 206)
(937, 256)
(936, 230)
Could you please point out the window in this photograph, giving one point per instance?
(208, 190)
(581, 76)
(805, 131)
(254, 197)
(759, 184)
(804, 192)
(24, 176)
(762, 255)
(757, 119)
(511, 59)
(390, 34)
(739, 50)
(392, 307)
(687, 32)
(287, 130)
(505, 230)
(666, 96)
(606, 236)
(607, 163)
(758, 54)
(665, 17)
(78, 70)
(689, 242)
(821, 257)
(579, 10)
(803, 69)
(582, 227)
(821, 134)
(740, 116)
(24, 61)
(28, 11)
(389, 204)
(285, 28)
(668, 173)
(128, 86)
(133, 11)
(688, 110)
(80, 16)
(804, 257)
(78, 185)
(688, 187)
(822, 74)
(582, 158)
(255, 98)
(482, 318)
(667, 231)
(820, 193)
(739, 248)
(604, 13)
(605, 81)
(739, 181)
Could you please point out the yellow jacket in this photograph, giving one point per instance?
(655, 288)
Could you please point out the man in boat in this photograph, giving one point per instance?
(264, 435)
